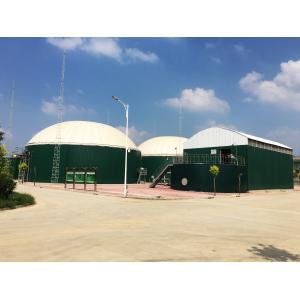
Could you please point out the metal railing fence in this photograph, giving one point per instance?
(209, 159)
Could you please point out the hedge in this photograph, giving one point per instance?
(16, 200)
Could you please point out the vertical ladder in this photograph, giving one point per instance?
(55, 164)
(60, 109)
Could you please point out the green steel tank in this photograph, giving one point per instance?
(83, 144)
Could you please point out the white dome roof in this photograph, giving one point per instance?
(82, 133)
(163, 146)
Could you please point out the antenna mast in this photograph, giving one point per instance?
(180, 120)
(60, 111)
(10, 117)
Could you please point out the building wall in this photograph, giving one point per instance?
(199, 179)
(153, 164)
(108, 160)
(269, 169)
(266, 169)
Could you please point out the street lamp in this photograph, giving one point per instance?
(126, 107)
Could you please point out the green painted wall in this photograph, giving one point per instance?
(154, 163)
(109, 160)
(199, 178)
(266, 169)
(269, 169)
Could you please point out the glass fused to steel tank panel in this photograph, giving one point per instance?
(84, 144)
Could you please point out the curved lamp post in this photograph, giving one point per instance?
(126, 108)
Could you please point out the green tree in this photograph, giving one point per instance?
(214, 171)
(22, 168)
(4, 163)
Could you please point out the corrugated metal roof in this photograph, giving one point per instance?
(262, 140)
(163, 146)
(220, 136)
(82, 133)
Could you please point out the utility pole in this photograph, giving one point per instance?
(126, 108)
(60, 111)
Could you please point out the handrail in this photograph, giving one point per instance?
(210, 159)
(161, 166)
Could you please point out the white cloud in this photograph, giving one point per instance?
(78, 110)
(209, 45)
(65, 43)
(199, 100)
(136, 135)
(51, 108)
(216, 60)
(214, 123)
(283, 90)
(137, 54)
(288, 136)
(103, 46)
(108, 47)
(248, 100)
(239, 48)
(8, 135)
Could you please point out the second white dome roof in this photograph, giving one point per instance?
(163, 146)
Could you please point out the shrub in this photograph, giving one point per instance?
(23, 166)
(16, 199)
(214, 171)
(7, 185)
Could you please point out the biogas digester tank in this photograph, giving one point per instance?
(83, 144)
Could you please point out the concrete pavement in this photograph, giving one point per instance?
(76, 226)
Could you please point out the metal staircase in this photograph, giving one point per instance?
(165, 169)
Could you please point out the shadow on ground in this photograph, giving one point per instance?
(272, 253)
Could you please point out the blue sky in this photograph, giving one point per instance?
(250, 84)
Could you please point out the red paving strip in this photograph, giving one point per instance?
(134, 190)
(143, 191)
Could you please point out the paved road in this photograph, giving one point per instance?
(74, 226)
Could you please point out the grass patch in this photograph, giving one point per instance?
(16, 200)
